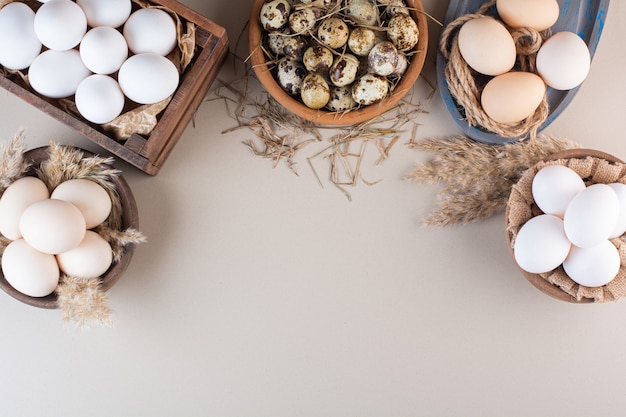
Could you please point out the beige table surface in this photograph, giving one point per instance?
(261, 293)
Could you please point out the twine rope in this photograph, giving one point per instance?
(465, 89)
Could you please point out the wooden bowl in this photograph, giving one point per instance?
(130, 218)
(537, 280)
(326, 117)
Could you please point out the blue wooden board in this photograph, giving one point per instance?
(584, 17)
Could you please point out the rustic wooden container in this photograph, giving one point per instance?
(149, 153)
(263, 72)
(130, 219)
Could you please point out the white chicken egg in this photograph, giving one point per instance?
(60, 24)
(28, 270)
(620, 227)
(99, 98)
(541, 244)
(52, 226)
(16, 198)
(103, 50)
(90, 259)
(487, 46)
(150, 30)
(148, 78)
(56, 74)
(535, 14)
(591, 216)
(112, 13)
(563, 61)
(554, 186)
(594, 266)
(19, 44)
(90, 198)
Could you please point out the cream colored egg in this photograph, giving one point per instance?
(593, 267)
(535, 14)
(563, 61)
(487, 46)
(511, 97)
(541, 244)
(112, 13)
(52, 226)
(148, 78)
(620, 227)
(150, 30)
(29, 271)
(60, 24)
(15, 199)
(99, 99)
(554, 186)
(591, 216)
(19, 44)
(90, 198)
(103, 50)
(91, 258)
(57, 74)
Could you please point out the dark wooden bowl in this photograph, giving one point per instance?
(130, 218)
(535, 279)
(326, 117)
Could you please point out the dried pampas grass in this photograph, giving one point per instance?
(477, 177)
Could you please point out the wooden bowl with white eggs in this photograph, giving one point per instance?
(565, 222)
(265, 63)
(129, 219)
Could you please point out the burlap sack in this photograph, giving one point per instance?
(521, 208)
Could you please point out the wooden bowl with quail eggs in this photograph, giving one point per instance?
(335, 62)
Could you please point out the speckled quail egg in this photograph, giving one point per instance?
(370, 89)
(383, 58)
(274, 14)
(333, 32)
(363, 12)
(395, 7)
(275, 41)
(303, 20)
(344, 70)
(340, 99)
(290, 75)
(294, 47)
(317, 59)
(403, 32)
(401, 67)
(361, 40)
(315, 91)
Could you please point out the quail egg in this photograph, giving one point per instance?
(303, 20)
(383, 58)
(361, 40)
(395, 7)
(403, 65)
(274, 14)
(317, 59)
(370, 89)
(403, 32)
(340, 99)
(294, 47)
(290, 75)
(276, 40)
(333, 32)
(315, 91)
(344, 70)
(363, 12)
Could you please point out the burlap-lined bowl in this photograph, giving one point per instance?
(594, 167)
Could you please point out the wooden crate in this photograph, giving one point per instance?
(150, 153)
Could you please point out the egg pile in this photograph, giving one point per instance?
(487, 46)
(100, 52)
(52, 233)
(336, 57)
(574, 229)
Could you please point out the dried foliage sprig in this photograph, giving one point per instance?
(12, 163)
(83, 303)
(477, 177)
